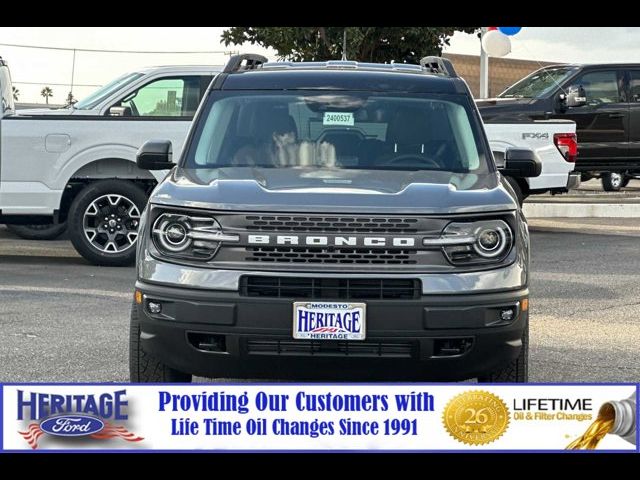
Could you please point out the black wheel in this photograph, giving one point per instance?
(48, 231)
(145, 368)
(625, 181)
(520, 196)
(612, 181)
(103, 221)
(516, 371)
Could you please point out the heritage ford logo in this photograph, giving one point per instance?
(77, 415)
(72, 425)
(332, 240)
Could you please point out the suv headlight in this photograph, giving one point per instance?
(473, 243)
(188, 236)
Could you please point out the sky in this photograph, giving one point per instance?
(48, 67)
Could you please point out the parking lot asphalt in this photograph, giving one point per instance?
(63, 320)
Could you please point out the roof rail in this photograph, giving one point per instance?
(251, 62)
(439, 65)
(345, 65)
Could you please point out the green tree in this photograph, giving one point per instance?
(364, 44)
(46, 92)
(71, 99)
(16, 93)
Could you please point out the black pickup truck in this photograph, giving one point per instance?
(603, 100)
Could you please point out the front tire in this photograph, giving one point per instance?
(612, 181)
(103, 221)
(144, 367)
(516, 371)
(48, 231)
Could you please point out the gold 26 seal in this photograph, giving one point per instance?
(476, 417)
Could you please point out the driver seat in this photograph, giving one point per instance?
(408, 133)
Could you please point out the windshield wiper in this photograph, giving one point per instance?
(413, 169)
(241, 165)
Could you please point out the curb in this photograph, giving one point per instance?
(583, 227)
(581, 210)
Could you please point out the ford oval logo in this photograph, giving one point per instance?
(72, 425)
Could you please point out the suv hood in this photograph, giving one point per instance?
(346, 191)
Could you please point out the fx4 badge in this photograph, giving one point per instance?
(535, 135)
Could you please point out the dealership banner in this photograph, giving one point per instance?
(319, 417)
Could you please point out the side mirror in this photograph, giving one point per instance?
(521, 163)
(155, 155)
(117, 111)
(576, 96)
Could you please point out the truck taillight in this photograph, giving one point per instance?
(567, 143)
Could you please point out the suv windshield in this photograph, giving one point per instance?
(340, 130)
(99, 95)
(539, 83)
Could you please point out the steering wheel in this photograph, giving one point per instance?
(411, 156)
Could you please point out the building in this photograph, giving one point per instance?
(503, 72)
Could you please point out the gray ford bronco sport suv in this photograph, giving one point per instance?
(333, 220)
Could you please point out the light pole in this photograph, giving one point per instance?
(484, 68)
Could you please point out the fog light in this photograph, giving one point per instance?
(507, 314)
(154, 307)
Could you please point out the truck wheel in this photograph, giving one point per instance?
(49, 231)
(145, 368)
(520, 196)
(516, 371)
(625, 181)
(612, 181)
(103, 221)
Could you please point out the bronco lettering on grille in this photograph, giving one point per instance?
(331, 240)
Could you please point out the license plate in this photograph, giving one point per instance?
(329, 321)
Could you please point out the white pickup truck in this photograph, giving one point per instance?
(555, 143)
(76, 166)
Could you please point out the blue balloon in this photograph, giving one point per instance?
(509, 30)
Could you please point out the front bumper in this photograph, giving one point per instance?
(510, 277)
(216, 333)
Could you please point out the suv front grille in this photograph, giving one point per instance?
(336, 224)
(331, 255)
(330, 288)
(331, 349)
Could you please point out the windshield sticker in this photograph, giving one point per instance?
(338, 118)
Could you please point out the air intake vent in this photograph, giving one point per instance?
(337, 224)
(330, 288)
(331, 255)
(309, 348)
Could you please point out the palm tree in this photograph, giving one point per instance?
(16, 93)
(71, 99)
(46, 92)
